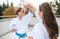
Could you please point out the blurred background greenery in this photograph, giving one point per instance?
(9, 10)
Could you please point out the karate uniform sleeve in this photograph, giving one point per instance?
(37, 33)
(28, 17)
(12, 25)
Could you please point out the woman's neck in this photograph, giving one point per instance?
(19, 17)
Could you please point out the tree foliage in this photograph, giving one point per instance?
(56, 6)
(9, 11)
(0, 10)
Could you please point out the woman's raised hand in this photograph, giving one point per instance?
(31, 8)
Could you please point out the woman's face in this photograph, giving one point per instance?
(21, 13)
(40, 14)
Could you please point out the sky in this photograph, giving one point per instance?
(16, 2)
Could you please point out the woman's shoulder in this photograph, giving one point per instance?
(38, 24)
(13, 20)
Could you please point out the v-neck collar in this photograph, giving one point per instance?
(19, 19)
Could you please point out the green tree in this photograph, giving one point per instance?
(56, 6)
(9, 11)
(4, 6)
(12, 4)
(0, 10)
(7, 4)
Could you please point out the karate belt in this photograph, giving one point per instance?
(21, 35)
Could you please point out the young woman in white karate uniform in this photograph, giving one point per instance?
(47, 28)
(19, 25)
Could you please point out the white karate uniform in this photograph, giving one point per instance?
(39, 31)
(21, 25)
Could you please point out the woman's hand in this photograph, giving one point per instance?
(31, 8)
(14, 30)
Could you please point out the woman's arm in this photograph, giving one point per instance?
(13, 26)
(31, 8)
(29, 16)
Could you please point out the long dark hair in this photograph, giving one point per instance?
(49, 19)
